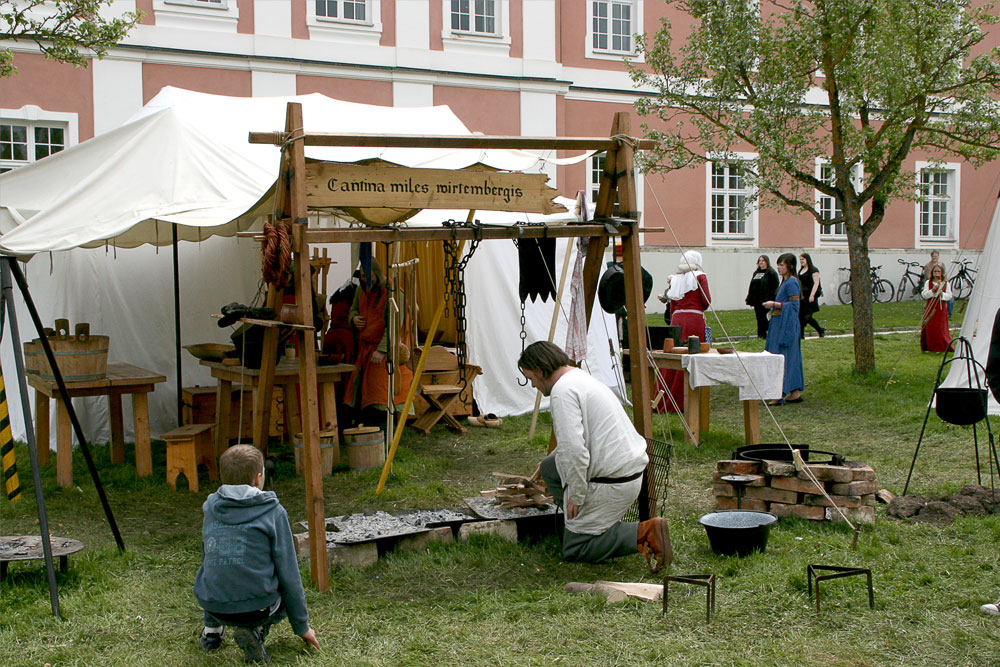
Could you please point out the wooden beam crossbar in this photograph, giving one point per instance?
(449, 141)
(396, 234)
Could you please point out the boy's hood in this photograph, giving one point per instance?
(239, 503)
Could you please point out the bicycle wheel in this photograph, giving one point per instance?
(844, 292)
(961, 287)
(901, 289)
(882, 291)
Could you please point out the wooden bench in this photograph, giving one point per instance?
(187, 446)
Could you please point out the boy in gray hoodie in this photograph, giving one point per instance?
(249, 575)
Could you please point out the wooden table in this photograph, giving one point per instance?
(29, 547)
(696, 404)
(120, 379)
(286, 375)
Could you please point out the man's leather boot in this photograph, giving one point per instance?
(654, 543)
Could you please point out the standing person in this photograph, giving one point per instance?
(595, 471)
(783, 334)
(689, 298)
(368, 384)
(993, 382)
(929, 266)
(812, 290)
(934, 334)
(763, 287)
(249, 574)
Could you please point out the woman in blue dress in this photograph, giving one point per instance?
(783, 333)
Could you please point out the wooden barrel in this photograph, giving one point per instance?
(77, 359)
(365, 447)
(327, 441)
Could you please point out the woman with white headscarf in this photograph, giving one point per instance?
(689, 297)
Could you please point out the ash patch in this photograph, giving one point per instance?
(486, 508)
(366, 527)
(434, 518)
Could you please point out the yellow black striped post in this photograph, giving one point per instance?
(10, 482)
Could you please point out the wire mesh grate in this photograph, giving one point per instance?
(654, 490)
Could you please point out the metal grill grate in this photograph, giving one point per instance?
(654, 493)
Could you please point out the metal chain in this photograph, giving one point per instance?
(455, 293)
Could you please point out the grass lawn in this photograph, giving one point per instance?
(492, 602)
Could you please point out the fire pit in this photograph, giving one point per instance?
(737, 532)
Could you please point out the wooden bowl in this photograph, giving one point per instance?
(211, 351)
(725, 350)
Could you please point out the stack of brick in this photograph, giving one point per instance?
(778, 488)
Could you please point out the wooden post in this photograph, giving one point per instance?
(291, 203)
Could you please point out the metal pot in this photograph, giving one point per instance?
(960, 405)
(737, 532)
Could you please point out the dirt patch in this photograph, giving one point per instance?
(972, 499)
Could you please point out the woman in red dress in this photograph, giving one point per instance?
(934, 334)
(689, 298)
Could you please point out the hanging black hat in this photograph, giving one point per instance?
(611, 288)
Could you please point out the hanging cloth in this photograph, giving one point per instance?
(536, 259)
(576, 335)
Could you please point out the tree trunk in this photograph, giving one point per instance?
(861, 292)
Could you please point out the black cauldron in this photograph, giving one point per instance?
(960, 405)
(737, 532)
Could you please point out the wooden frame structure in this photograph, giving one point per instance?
(617, 182)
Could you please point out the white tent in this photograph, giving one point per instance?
(977, 326)
(185, 159)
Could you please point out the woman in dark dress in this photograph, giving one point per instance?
(812, 290)
(763, 287)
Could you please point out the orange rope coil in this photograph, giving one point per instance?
(276, 254)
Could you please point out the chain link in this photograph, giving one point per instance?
(454, 272)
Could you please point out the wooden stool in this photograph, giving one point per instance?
(188, 446)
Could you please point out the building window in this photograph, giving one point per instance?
(937, 209)
(210, 15)
(343, 10)
(730, 214)
(215, 4)
(22, 142)
(476, 16)
(612, 25)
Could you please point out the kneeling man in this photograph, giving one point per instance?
(595, 471)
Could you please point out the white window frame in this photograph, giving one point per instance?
(195, 15)
(367, 32)
(751, 233)
(32, 116)
(495, 43)
(823, 237)
(953, 209)
(635, 28)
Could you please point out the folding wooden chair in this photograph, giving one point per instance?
(440, 389)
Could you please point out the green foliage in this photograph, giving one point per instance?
(857, 83)
(64, 30)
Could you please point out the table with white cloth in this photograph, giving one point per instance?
(758, 375)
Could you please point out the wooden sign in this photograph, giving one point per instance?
(382, 185)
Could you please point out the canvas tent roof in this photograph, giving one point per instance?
(185, 158)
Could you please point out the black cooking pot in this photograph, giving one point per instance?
(737, 532)
(960, 405)
(611, 288)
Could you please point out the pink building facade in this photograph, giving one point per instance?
(507, 67)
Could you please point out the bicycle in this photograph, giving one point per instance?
(911, 278)
(963, 281)
(882, 289)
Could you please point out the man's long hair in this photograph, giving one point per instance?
(544, 358)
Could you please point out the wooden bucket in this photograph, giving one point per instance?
(32, 350)
(365, 447)
(327, 440)
(84, 358)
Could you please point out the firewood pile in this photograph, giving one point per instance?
(518, 491)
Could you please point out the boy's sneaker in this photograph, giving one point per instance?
(211, 639)
(251, 640)
(993, 608)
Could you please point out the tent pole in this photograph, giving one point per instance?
(29, 432)
(177, 330)
(552, 332)
(22, 285)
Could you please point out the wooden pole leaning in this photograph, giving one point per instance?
(552, 330)
(415, 382)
